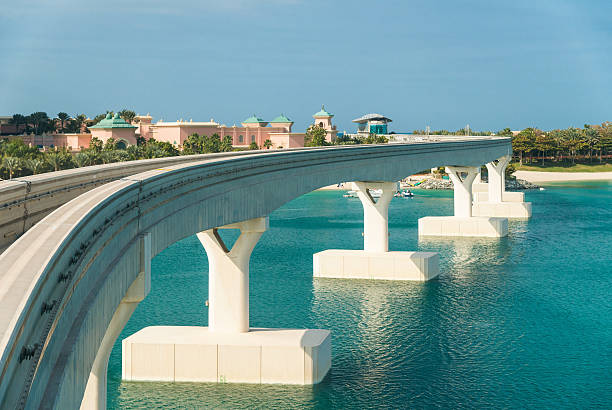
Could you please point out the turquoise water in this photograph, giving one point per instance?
(524, 321)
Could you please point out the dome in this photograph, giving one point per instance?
(281, 118)
(323, 113)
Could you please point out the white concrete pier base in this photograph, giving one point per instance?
(491, 199)
(197, 354)
(375, 261)
(358, 264)
(228, 350)
(461, 226)
(514, 210)
(463, 223)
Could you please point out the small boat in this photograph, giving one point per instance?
(350, 194)
(404, 194)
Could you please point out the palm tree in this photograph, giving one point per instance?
(18, 120)
(40, 120)
(127, 115)
(12, 164)
(82, 159)
(80, 120)
(63, 117)
(54, 159)
(267, 143)
(35, 165)
(108, 157)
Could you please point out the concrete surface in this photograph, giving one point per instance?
(195, 354)
(358, 264)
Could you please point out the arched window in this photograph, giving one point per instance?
(121, 144)
(321, 124)
(252, 138)
(241, 138)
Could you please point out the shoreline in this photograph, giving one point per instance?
(543, 176)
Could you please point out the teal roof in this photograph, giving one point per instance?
(281, 118)
(323, 113)
(113, 122)
(253, 119)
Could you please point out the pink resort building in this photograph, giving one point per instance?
(253, 129)
(115, 127)
(323, 120)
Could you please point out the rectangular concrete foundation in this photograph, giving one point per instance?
(359, 264)
(506, 196)
(194, 354)
(502, 209)
(463, 226)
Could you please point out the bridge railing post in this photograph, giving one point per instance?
(228, 280)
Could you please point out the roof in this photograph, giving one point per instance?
(281, 118)
(181, 123)
(253, 119)
(113, 122)
(323, 113)
(371, 117)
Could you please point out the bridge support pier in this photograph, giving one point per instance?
(491, 199)
(228, 350)
(95, 391)
(463, 223)
(375, 261)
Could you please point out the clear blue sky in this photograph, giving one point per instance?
(444, 63)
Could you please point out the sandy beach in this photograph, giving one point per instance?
(539, 176)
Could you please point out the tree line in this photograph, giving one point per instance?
(19, 159)
(590, 142)
(40, 123)
(533, 144)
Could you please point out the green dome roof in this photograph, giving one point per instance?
(253, 119)
(113, 122)
(323, 113)
(281, 118)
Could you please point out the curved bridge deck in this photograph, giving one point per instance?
(63, 279)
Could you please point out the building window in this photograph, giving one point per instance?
(321, 124)
(241, 138)
(252, 138)
(378, 128)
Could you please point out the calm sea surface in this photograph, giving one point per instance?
(523, 321)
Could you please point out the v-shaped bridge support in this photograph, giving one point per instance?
(228, 280)
(375, 213)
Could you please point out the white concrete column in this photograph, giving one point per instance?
(497, 178)
(478, 178)
(95, 391)
(375, 214)
(228, 278)
(463, 178)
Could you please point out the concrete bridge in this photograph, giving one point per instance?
(71, 282)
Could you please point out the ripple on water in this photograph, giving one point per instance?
(524, 321)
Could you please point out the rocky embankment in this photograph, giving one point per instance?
(511, 185)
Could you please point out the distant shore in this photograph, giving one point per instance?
(542, 176)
